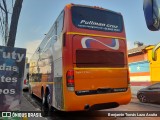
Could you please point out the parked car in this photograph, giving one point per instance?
(150, 93)
(25, 84)
(26, 77)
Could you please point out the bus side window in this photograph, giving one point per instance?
(60, 23)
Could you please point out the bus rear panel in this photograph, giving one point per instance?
(82, 62)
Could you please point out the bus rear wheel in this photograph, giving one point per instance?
(44, 105)
(30, 91)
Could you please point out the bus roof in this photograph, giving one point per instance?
(96, 7)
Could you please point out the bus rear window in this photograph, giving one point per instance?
(95, 19)
(99, 58)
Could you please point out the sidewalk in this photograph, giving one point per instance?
(27, 106)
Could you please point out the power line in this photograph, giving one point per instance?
(12, 4)
(4, 22)
(2, 25)
(2, 7)
(9, 33)
(10, 8)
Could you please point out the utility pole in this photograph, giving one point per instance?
(14, 22)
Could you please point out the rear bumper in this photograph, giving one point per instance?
(96, 102)
(25, 87)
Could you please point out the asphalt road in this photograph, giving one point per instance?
(134, 108)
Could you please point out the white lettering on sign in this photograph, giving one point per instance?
(98, 24)
(8, 68)
(8, 79)
(92, 23)
(16, 56)
(111, 26)
(7, 91)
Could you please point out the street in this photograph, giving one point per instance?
(134, 107)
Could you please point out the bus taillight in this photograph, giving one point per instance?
(70, 80)
(25, 81)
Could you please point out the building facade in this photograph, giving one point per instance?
(154, 64)
(139, 66)
(144, 71)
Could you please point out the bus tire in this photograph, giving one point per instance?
(50, 108)
(30, 91)
(142, 98)
(44, 105)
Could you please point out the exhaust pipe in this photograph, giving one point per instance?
(86, 107)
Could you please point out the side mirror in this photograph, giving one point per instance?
(154, 52)
(151, 13)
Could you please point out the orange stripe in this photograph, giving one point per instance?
(140, 74)
(94, 35)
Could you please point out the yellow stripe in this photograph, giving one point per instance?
(94, 35)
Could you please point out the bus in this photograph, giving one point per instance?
(81, 64)
(26, 77)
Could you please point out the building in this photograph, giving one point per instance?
(144, 71)
(153, 64)
(139, 66)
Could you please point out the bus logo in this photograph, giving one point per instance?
(86, 43)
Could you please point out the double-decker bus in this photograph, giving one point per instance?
(81, 64)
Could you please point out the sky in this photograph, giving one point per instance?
(37, 17)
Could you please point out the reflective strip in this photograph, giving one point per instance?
(94, 35)
(109, 68)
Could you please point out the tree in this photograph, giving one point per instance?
(14, 22)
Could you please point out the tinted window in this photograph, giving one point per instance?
(95, 19)
(101, 58)
(157, 85)
(60, 23)
(53, 33)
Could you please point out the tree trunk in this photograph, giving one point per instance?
(14, 22)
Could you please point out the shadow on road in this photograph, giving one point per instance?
(81, 115)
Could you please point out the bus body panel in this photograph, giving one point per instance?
(96, 62)
(74, 102)
(93, 79)
(92, 84)
(57, 72)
